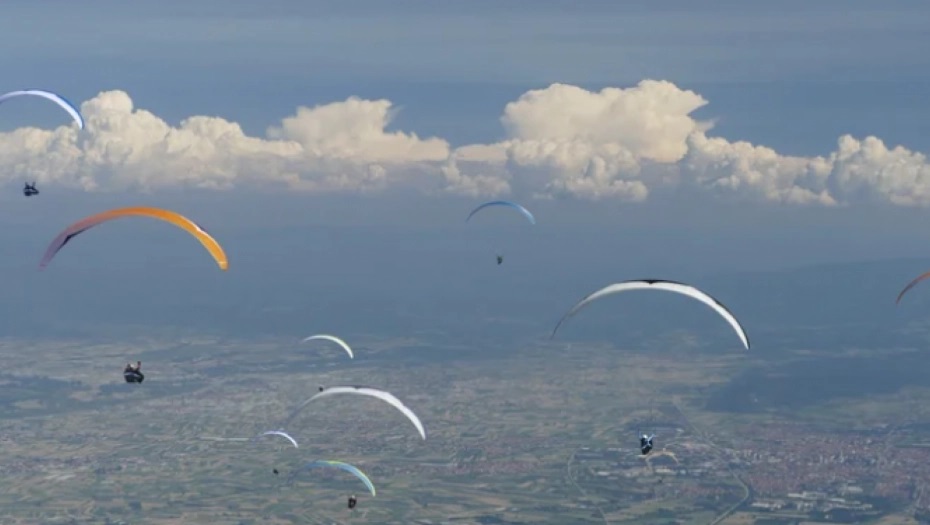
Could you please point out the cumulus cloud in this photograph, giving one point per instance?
(338, 146)
(622, 143)
(561, 141)
(565, 140)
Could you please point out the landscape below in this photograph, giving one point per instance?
(540, 432)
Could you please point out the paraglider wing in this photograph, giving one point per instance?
(282, 434)
(58, 99)
(174, 218)
(366, 391)
(334, 339)
(911, 285)
(668, 286)
(526, 213)
(340, 465)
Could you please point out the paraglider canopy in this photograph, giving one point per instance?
(387, 397)
(279, 433)
(334, 339)
(58, 99)
(351, 469)
(513, 205)
(168, 216)
(663, 285)
(910, 285)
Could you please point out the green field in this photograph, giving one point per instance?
(541, 434)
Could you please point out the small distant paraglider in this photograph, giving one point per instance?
(133, 373)
(351, 469)
(507, 204)
(281, 433)
(334, 339)
(30, 189)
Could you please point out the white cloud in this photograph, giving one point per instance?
(562, 141)
(741, 166)
(487, 174)
(342, 145)
(565, 140)
(621, 143)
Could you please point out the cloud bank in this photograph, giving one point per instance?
(562, 142)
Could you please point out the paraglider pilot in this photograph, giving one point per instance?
(352, 501)
(500, 259)
(133, 374)
(645, 444)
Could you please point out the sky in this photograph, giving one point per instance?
(335, 148)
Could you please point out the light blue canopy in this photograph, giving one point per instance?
(340, 465)
(58, 99)
(526, 213)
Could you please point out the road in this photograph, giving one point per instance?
(747, 490)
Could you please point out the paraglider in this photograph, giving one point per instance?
(171, 217)
(58, 99)
(340, 465)
(645, 444)
(352, 501)
(133, 374)
(658, 284)
(280, 433)
(910, 285)
(30, 189)
(508, 204)
(334, 339)
(387, 397)
(526, 213)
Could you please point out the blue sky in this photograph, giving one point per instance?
(815, 69)
(793, 76)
